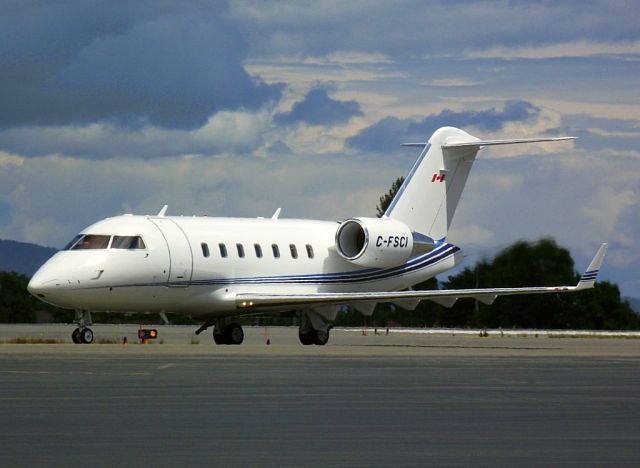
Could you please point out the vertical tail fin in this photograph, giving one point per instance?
(429, 196)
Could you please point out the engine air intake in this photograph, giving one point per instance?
(374, 242)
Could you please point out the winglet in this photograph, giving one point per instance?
(276, 215)
(588, 278)
(163, 211)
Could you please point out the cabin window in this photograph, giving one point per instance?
(309, 251)
(294, 251)
(276, 250)
(240, 248)
(258, 250)
(91, 242)
(127, 242)
(205, 249)
(223, 250)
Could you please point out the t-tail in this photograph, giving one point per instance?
(429, 196)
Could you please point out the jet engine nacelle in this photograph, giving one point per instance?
(374, 242)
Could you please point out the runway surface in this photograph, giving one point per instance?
(397, 400)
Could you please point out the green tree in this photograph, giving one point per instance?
(385, 200)
(16, 305)
(541, 263)
(603, 308)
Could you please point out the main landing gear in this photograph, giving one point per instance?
(310, 336)
(83, 334)
(225, 332)
(231, 334)
(314, 329)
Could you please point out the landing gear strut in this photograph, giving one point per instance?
(83, 334)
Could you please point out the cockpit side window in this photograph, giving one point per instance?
(91, 242)
(128, 242)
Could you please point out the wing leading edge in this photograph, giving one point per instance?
(446, 297)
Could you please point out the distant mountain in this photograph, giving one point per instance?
(634, 302)
(22, 257)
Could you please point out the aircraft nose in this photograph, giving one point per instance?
(41, 283)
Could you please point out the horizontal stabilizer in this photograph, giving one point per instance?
(454, 143)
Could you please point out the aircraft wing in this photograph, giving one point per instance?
(444, 297)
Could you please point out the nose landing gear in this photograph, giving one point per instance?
(83, 334)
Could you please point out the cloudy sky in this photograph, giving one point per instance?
(237, 108)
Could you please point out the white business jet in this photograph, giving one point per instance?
(218, 269)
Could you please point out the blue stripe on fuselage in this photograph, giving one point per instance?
(412, 265)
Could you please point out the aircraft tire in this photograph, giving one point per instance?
(75, 336)
(306, 338)
(86, 336)
(220, 338)
(234, 334)
(320, 337)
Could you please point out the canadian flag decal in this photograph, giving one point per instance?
(438, 178)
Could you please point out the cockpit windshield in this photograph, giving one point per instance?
(91, 242)
(102, 241)
(73, 242)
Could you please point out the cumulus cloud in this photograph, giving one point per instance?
(136, 64)
(317, 108)
(226, 131)
(53, 197)
(388, 133)
(607, 207)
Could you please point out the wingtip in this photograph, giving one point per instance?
(588, 278)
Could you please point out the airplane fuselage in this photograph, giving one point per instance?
(195, 265)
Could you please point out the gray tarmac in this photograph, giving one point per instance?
(396, 400)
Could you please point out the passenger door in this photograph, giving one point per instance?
(180, 256)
